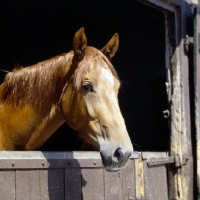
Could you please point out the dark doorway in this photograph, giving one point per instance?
(33, 33)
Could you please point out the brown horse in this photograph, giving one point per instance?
(79, 87)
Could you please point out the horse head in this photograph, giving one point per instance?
(90, 101)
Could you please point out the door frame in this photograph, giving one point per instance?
(177, 13)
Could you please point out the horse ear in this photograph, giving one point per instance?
(111, 47)
(79, 43)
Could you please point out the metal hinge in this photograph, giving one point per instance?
(188, 41)
(164, 160)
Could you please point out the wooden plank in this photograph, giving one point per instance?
(7, 185)
(181, 178)
(146, 155)
(162, 183)
(146, 179)
(113, 185)
(171, 37)
(48, 155)
(44, 191)
(45, 160)
(56, 184)
(139, 178)
(196, 107)
(93, 184)
(27, 184)
(73, 184)
(152, 176)
(155, 182)
(128, 181)
(50, 163)
(52, 184)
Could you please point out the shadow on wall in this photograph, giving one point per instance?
(41, 175)
(63, 178)
(75, 175)
(80, 175)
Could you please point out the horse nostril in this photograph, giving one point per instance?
(118, 155)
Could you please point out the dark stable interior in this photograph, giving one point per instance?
(33, 33)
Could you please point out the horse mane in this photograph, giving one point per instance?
(37, 83)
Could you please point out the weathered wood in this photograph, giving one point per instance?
(45, 160)
(92, 184)
(196, 74)
(170, 48)
(27, 184)
(48, 155)
(139, 178)
(52, 184)
(180, 139)
(178, 93)
(162, 183)
(155, 179)
(152, 172)
(73, 185)
(186, 171)
(87, 183)
(128, 181)
(113, 185)
(147, 178)
(7, 185)
(44, 188)
(50, 163)
(56, 184)
(157, 182)
(146, 155)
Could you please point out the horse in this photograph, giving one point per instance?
(79, 87)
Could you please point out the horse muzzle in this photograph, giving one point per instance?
(116, 160)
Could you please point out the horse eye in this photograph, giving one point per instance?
(87, 86)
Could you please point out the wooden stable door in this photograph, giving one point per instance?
(80, 176)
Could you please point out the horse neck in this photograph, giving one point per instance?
(55, 117)
(42, 118)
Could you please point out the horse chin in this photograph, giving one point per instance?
(114, 168)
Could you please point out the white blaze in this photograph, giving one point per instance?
(108, 82)
(106, 74)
